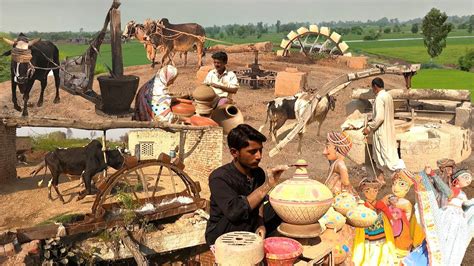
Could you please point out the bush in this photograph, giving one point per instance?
(466, 62)
(431, 65)
(372, 36)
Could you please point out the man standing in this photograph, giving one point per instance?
(238, 188)
(221, 80)
(383, 128)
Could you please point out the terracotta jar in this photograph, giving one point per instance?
(301, 200)
(361, 216)
(227, 116)
(204, 93)
(344, 202)
(182, 107)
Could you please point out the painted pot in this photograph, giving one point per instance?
(204, 93)
(183, 107)
(227, 116)
(301, 200)
(281, 251)
(361, 216)
(344, 202)
(333, 219)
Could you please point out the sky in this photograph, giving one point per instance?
(72, 15)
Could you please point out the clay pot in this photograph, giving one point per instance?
(281, 251)
(204, 93)
(200, 121)
(301, 200)
(227, 116)
(204, 107)
(183, 107)
(333, 219)
(344, 202)
(361, 216)
(117, 93)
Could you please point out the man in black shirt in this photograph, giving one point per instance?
(239, 187)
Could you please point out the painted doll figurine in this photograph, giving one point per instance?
(374, 245)
(400, 227)
(337, 147)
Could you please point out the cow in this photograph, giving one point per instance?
(177, 38)
(32, 60)
(137, 31)
(81, 161)
(282, 109)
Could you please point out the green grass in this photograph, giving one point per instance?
(48, 142)
(414, 51)
(444, 79)
(63, 218)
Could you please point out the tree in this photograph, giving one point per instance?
(397, 28)
(277, 25)
(466, 62)
(435, 31)
(414, 28)
(471, 24)
(69, 133)
(387, 30)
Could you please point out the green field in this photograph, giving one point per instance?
(414, 51)
(444, 79)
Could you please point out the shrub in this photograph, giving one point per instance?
(466, 62)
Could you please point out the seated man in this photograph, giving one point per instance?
(238, 188)
(222, 81)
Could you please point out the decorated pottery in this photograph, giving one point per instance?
(361, 216)
(344, 202)
(183, 107)
(333, 219)
(341, 241)
(227, 116)
(301, 200)
(204, 93)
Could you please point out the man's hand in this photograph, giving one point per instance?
(261, 231)
(217, 86)
(366, 131)
(274, 174)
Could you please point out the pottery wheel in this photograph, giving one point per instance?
(299, 231)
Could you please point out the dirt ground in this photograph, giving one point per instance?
(24, 204)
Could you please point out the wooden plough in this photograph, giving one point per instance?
(338, 84)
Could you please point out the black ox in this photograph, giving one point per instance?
(32, 60)
(83, 161)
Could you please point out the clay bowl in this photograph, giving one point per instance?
(281, 251)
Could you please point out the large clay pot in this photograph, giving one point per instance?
(361, 216)
(117, 93)
(183, 108)
(200, 121)
(344, 202)
(204, 93)
(227, 116)
(301, 200)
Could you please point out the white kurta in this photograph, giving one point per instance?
(383, 128)
(228, 79)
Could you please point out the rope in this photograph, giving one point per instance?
(201, 38)
(21, 55)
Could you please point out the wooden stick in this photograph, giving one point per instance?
(90, 125)
(419, 94)
(133, 247)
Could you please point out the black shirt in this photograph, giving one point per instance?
(230, 210)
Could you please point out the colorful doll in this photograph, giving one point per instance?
(374, 245)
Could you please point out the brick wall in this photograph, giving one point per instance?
(206, 157)
(8, 154)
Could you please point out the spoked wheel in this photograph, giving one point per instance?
(152, 186)
(312, 41)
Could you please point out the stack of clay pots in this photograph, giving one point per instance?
(204, 99)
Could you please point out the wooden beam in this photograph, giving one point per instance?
(116, 41)
(418, 94)
(133, 247)
(92, 125)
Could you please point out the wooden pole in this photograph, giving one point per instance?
(133, 247)
(116, 42)
(89, 125)
(418, 94)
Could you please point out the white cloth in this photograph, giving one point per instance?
(228, 79)
(384, 137)
(161, 100)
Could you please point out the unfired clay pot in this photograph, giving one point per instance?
(301, 200)
(183, 107)
(227, 116)
(204, 93)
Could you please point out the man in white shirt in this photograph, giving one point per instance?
(223, 82)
